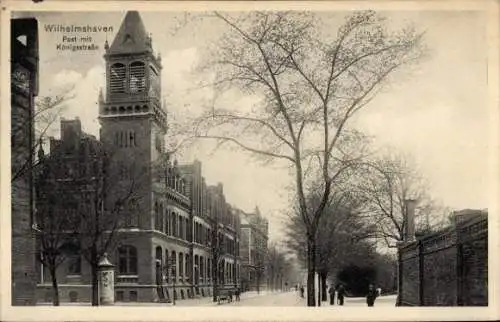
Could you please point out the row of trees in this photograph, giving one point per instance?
(365, 210)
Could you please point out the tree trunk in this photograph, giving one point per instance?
(320, 287)
(55, 287)
(311, 268)
(323, 276)
(215, 279)
(94, 272)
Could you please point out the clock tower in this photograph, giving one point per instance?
(133, 120)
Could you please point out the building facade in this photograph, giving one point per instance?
(24, 88)
(253, 250)
(180, 237)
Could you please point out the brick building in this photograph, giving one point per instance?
(24, 88)
(253, 250)
(70, 172)
(166, 245)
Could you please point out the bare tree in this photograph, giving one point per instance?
(56, 220)
(386, 183)
(307, 85)
(109, 200)
(341, 232)
(47, 112)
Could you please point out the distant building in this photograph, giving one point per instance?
(253, 250)
(24, 88)
(178, 224)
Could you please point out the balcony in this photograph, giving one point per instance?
(127, 279)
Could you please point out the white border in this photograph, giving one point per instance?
(239, 313)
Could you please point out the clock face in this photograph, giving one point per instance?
(21, 79)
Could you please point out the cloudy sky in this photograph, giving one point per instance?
(437, 113)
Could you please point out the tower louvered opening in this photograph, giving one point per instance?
(117, 78)
(137, 77)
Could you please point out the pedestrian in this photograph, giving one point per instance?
(379, 291)
(332, 294)
(237, 294)
(340, 294)
(301, 291)
(371, 296)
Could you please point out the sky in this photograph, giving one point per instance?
(436, 113)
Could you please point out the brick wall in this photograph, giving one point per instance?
(24, 77)
(449, 268)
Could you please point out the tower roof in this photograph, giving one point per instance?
(132, 36)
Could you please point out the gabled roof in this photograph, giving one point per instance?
(132, 36)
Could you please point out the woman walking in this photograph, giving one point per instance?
(332, 294)
(371, 296)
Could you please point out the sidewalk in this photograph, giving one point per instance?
(203, 301)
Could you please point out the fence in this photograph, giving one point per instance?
(449, 268)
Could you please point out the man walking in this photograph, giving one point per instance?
(371, 296)
(332, 294)
(340, 294)
(237, 294)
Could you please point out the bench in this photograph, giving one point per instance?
(225, 294)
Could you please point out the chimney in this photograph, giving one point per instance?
(409, 234)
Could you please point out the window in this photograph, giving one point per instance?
(137, 80)
(75, 265)
(132, 139)
(119, 296)
(202, 267)
(157, 217)
(133, 296)
(117, 78)
(167, 274)
(167, 222)
(174, 264)
(175, 232)
(127, 260)
(125, 139)
(181, 265)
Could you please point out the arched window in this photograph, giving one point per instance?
(187, 270)
(202, 267)
(181, 225)
(117, 78)
(137, 79)
(167, 274)
(167, 222)
(157, 217)
(158, 254)
(172, 218)
(127, 260)
(160, 218)
(173, 258)
(174, 225)
(181, 265)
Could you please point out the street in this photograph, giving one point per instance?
(293, 299)
(263, 298)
